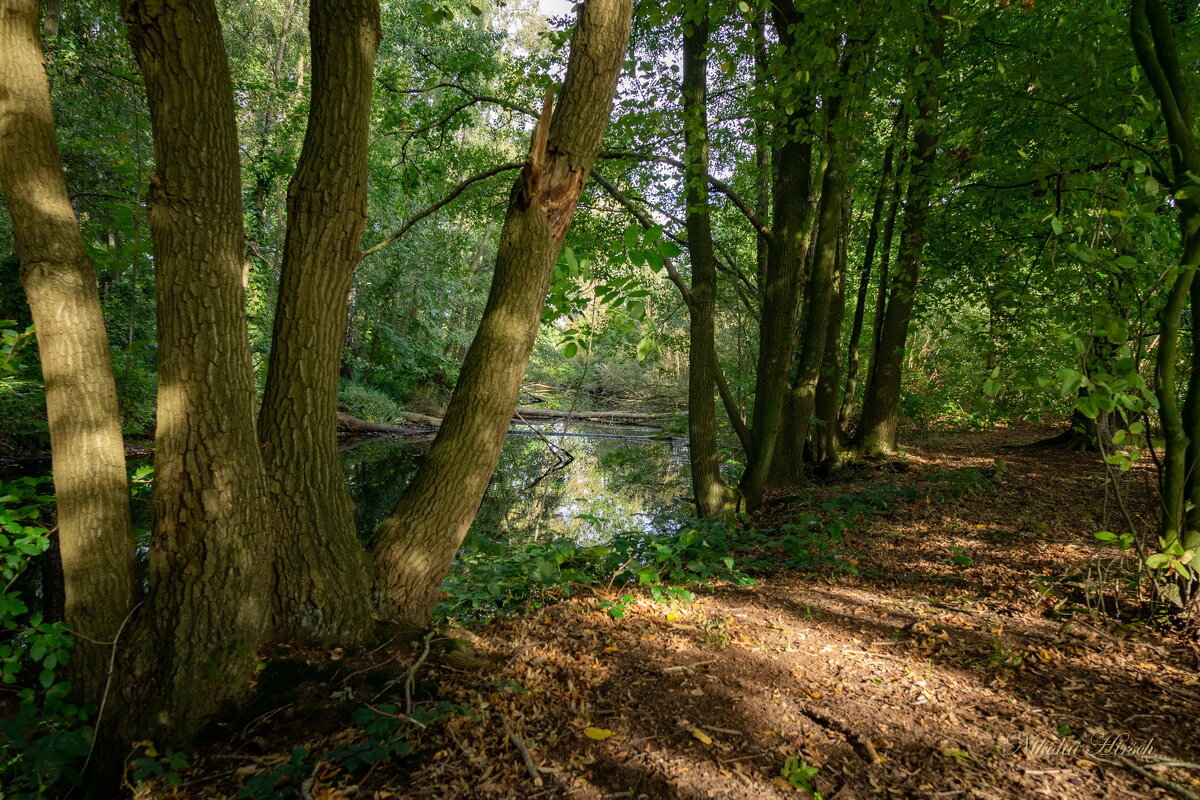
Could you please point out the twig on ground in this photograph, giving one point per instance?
(519, 743)
(1162, 783)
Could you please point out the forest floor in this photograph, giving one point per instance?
(961, 661)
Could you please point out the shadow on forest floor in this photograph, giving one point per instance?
(953, 665)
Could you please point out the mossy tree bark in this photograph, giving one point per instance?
(415, 545)
(94, 530)
(713, 496)
(209, 596)
(881, 404)
(322, 575)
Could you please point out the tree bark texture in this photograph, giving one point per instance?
(881, 405)
(94, 529)
(711, 493)
(415, 545)
(209, 602)
(322, 575)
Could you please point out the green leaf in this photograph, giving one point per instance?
(570, 349)
(1056, 226)
(632, 235)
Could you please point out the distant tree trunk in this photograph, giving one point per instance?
(416, 543)
(827, 439)
(881, 406)
(94, 531)
(209, 602)
(52, 18)
(853, 349)
(322, 576)
(1154, 44)
(712, 495)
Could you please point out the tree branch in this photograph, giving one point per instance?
(455, 192)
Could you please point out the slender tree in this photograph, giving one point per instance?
(1154, 44)
(712, 494)
(881, 406)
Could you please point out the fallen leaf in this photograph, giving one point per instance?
(701, 735)
(599, 734)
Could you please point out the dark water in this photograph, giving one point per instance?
(585, 483)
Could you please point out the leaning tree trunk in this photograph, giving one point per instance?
(881, 405)
(94, 531)
(416, 543)
(209, 602)
(712, 494)
(322, 575)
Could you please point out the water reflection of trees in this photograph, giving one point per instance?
(613, 484)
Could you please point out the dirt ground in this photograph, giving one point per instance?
(960, 662)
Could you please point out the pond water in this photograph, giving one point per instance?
(582, 482)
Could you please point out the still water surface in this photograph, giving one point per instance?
(582, 482)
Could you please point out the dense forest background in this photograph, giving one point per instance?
(810, 230)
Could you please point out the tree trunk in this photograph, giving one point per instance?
(788, 466)
(786, 256)
(416, 543)
(322, 576)
(827, 438)
(209, 602)
(711, 493)
(94, 531)
(1154, 44)
(881, 405)
(853, 349)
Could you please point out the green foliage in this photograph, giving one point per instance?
(367, 403)
(43, 743)
(383, 727)
(801, 775)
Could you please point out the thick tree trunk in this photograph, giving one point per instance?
(94, 531)
(881, 405)
(416, 543)
(712, 495)
(322, 576)
(209, 602)
(853, 348)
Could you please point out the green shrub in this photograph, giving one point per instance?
(43, 743)
(367, 403)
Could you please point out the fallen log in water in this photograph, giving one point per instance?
(590, 416)
(347, 422)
